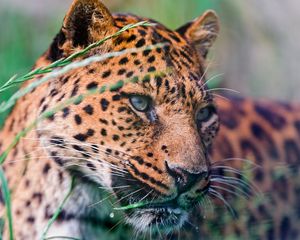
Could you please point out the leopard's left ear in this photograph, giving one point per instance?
(87, 21)
(202, 32)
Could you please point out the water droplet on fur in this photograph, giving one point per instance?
(112, 215)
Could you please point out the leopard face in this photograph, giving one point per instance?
(147, 141)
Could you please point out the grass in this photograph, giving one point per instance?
(7, 200)
(58, 210)
(20, 46)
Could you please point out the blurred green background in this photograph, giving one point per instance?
(257, 53)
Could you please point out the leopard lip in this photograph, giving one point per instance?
(170, 210)
(172, 203)
(175, 203)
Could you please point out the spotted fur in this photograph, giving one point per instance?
(171, 155)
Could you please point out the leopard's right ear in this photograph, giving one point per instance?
(202, 32)
(87, 21)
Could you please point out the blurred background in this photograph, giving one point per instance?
(258, 51)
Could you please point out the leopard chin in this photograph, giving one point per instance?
(162, 219)
(157, 214)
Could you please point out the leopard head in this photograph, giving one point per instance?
(148, 140)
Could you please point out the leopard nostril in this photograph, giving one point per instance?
(184, 179)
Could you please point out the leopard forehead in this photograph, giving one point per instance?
(176, 55)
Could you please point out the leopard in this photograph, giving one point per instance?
(163, 151)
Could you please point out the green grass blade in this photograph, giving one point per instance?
(58, 210)
(2, 223)
(132, 206)
(61, 237)
(7, 200)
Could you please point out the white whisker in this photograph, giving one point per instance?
(219, 196)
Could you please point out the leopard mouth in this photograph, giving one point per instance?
(163, 216)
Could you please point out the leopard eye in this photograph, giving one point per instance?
(205, 114)
(140, 103)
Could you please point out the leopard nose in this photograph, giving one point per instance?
(185, 179)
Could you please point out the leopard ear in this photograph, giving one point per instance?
(202, 32)
(87, 21)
